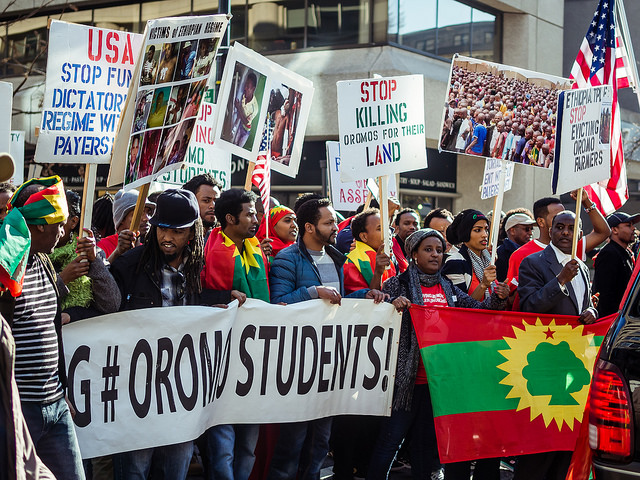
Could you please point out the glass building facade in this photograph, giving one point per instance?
(435, 27)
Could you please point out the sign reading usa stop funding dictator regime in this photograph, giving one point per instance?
(381, 123)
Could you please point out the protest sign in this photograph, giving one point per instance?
(381, 124)
(202, 155)
(263, 100)
(165, 96)
(491, 180)
(583, 138)
(6, 103)
(89, 71)
(497, 105)
(348, 196)
(136, 387)
(17, 152)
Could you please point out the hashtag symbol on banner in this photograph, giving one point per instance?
(110, 393)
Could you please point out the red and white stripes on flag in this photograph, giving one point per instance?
(262, 172)
(602, 60)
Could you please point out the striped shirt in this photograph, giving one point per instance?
(36, 363)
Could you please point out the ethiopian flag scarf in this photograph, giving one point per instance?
(45, 207)
(227, 269)
(359, 268)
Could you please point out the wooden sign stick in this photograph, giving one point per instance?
(576, 226)
(247, 181)
(383, 195)
(139, 210)
(88, 194)
(497, 208)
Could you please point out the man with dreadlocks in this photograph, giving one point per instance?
(163, 272)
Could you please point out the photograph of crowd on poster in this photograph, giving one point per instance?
(282, 120)
(243, 107)
(498, 111)
(171, 85)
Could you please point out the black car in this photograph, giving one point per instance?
(614, 415)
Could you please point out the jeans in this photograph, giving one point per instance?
(51, 429)
(423, 447)
(169, 462)
(231, 451)
(302, 447)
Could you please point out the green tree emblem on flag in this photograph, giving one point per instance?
(548, 369)
(555, 370)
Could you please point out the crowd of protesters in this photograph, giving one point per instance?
(185, 252)
(491, 115)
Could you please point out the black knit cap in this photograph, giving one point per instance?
(460, 230)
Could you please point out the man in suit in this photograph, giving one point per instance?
(551, 281)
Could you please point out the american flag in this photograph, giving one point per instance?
(602, 61)
(262, 173)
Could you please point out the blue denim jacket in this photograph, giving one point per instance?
(293, 271)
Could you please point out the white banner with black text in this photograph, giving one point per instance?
(160, 376)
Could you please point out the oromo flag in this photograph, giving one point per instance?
(505, 383)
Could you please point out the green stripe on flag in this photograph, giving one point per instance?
(470, 385)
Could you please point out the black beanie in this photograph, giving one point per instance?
(460, 230)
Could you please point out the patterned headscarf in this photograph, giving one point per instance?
(48, 206)
(45, 207)
(275, 215)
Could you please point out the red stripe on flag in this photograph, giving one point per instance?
(469, 436)
(495, 325)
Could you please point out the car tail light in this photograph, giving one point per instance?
(610, 417)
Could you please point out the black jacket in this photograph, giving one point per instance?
(8, 304)
(140, 288)
(540, 291)
(613, 265)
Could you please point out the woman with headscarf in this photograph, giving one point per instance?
(283, 230)
(421, 284)
(470, 269)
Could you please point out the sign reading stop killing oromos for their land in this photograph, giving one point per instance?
(583, 138)
(382, 130)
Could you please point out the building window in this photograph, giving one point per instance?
(449, 26)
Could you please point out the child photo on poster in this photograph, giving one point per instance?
(243, 107)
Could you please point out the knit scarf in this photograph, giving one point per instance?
(80, 291)
(408, 359)
(479, 264)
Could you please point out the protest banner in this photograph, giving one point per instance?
(89, 71)
(583, 138)
(137, 387)
(381, 124)
(202, 155)
(6, 105)
(262, 100)
(17, 152)
(168, 87)
(491, 179)
(508, 101)
(348, 196)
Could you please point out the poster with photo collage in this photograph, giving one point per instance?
(171, 79)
